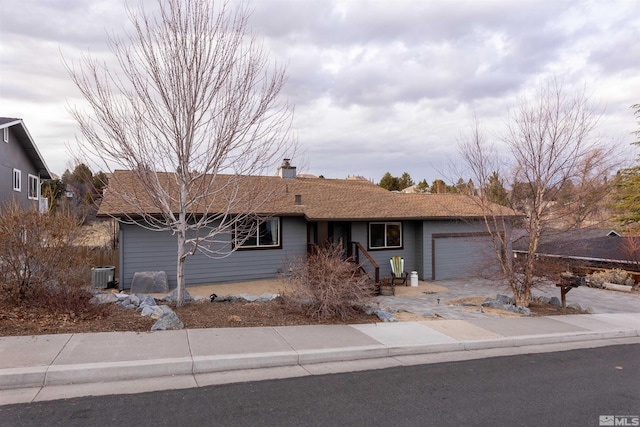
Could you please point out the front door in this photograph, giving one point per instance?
(340, 232)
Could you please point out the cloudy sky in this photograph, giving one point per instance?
(377, 85)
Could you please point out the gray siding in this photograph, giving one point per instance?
(13, 156)
(420, 251)
(359, 233)
(143, 250)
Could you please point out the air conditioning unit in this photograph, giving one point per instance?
(103, 277)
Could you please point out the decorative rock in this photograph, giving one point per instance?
(267, 297)
(106, 298)
(616, 287)
(575, 307)
(250, 298)
(494, 304)
(149, 282)
(555, 302)
(385, 316)
(153, 311)
(168, 321)
(147, 301)
(519, 309)
(124, 302)
(135, 299)
(589, 310)
(173, 296)
(504, 299)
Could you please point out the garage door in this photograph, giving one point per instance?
(462, 256)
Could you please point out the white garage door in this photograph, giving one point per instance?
(462, 256)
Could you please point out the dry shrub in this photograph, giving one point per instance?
(327, 286)
(68, 301)
(616, 276)
(39, 265)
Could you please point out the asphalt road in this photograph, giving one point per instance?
(571, 388)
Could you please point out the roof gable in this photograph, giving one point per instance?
(28, 145)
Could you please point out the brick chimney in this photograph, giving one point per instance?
(286, 171)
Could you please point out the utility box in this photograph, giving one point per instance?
(103, 277)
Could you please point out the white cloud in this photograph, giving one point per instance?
(378, 85)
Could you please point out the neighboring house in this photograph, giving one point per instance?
(440, 236)
(22, 168)
(585, 247)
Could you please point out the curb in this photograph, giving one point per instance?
(40, 376)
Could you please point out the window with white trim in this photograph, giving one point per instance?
(5, 134)
(17, 180)
(385, 235)
(34, 184)
(258, 233)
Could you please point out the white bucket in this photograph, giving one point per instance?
(414, 278)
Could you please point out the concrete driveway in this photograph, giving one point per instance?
(436, 303)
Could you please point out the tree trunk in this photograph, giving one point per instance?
(180, 270)
(523, 296)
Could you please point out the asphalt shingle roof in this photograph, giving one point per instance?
(594, 244)
(319, 199)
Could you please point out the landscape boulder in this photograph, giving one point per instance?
(555, 301)
(385, 316)
(173, 296)
(149, 282)
(491, 303)
(504, 299)
(519, 309)
(169, 320)
(103, 298)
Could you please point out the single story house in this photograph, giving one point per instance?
(586, 249)
(22, 167)
(440, 236)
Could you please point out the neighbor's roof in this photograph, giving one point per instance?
(319, 199)
(594, 244)
(27, 143)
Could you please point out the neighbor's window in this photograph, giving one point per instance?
(384, 235)
(33, 187)
(17, 180)
(5, 134)
(258, 233)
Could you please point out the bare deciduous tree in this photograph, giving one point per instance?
(550, 141)
(192, 95)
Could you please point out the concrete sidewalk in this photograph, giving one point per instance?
(57, 366)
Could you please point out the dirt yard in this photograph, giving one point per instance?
(24, 321)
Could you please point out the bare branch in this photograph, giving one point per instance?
(192, 95)
(553, 147)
